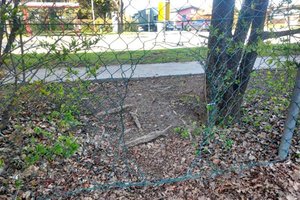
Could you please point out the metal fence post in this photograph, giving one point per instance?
(290, 123)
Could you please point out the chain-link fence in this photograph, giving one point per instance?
(98, 96)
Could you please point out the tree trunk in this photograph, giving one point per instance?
(2, 26)
(229, 72)
(120, 16)
(14, 29)
(7, 51)
(222, 21)
(248, 60)
(240, 34)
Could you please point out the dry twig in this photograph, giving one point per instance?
(147, 138)
(136, 120)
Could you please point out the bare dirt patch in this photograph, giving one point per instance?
(149, 106)
(161, 102)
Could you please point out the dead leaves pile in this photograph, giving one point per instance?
(102, 159)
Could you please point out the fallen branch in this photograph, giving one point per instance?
(136, 120)
(114, 110)
(147, 138)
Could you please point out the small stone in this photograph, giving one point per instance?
(183, 160)
(251, 157)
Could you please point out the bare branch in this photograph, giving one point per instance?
(268, 35)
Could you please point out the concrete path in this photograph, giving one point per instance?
(115, 42)
(124, 42)
(133, 71)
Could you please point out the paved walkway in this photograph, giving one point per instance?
(135, 71)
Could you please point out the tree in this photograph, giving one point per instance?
(103, 8)
(232, 54)
(8, 13)
(120, 15)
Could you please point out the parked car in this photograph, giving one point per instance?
(170, 27)
(140, 29)
(199, 25)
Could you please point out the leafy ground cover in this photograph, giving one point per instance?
(69, 136)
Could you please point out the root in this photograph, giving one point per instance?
(113, 110)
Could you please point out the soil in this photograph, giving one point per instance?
(236, 164)
(161, 102)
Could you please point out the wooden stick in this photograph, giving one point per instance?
(147, 138)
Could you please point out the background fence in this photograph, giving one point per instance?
(81, 111)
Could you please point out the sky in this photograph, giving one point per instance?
(132, 6)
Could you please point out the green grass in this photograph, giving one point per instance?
(138, 57)
(115, 58)
(145, 57)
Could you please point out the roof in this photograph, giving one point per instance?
(32, 4)
(185, 8)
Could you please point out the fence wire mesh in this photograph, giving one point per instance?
(98, 96)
